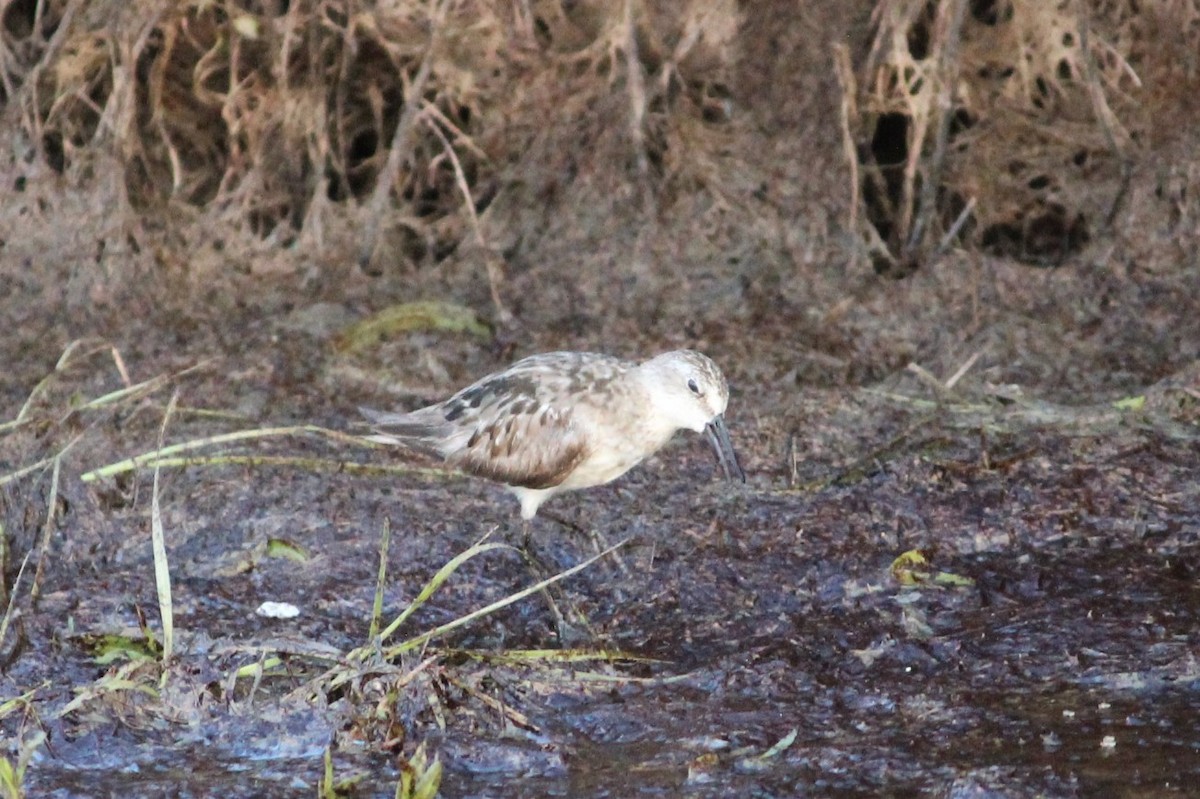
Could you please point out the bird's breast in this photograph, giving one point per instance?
(616, 445)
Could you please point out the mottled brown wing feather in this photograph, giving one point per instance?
(521, 428)
(514, 426)
(532, 383)
(533, 450)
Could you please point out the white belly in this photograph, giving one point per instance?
(615, 456)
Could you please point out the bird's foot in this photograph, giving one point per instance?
(573, 627)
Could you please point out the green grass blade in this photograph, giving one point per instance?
(425, 637)
(436, 581)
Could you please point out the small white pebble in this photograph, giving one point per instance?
(278, 610)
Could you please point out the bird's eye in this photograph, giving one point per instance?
(693, 386)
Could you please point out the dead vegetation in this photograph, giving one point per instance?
(431, 135)
(1006, 125)
(264, 116)
(1009, 125)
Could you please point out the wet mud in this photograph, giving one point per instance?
(758, 640)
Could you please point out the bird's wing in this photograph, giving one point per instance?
(537, 449)
(521, 426)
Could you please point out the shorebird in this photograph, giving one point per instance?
(561, 421)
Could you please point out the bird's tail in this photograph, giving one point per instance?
(384, 419)
(406, 429)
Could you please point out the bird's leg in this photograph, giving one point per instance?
(529, 550)
(569, 632)
(599, 542)
(526, 529)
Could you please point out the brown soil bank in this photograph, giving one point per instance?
(945, 251)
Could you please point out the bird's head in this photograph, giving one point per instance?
(691, 393)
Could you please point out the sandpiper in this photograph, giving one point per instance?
(561, 421)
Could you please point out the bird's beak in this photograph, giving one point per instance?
(718, 436)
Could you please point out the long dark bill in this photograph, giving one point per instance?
(718, 436)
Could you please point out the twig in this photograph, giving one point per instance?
(10, 609)
(29, 101)
(385, 541)
(637, 105)
(962, 371)
(848, 113)
(401, 144)
(927, 377)
(1104, 116)
(952, 233)
(933, 176)
(489, 257)
(121, 368)
(51, 511)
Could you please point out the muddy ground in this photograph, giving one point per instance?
(1031, 431)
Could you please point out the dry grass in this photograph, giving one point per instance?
(1007, 125)
(264, 120)
(1019, 118)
